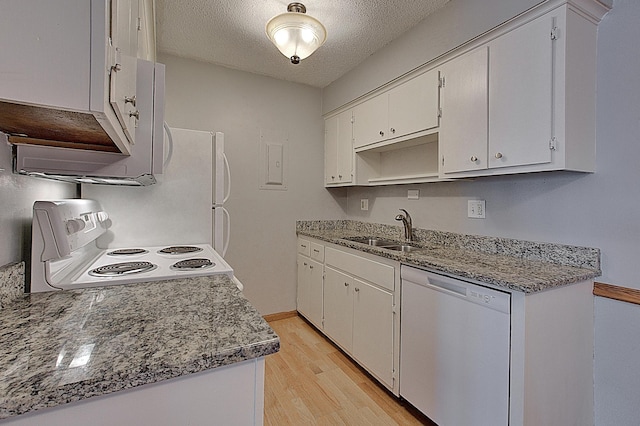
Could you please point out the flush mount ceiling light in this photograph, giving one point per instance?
(296, 34)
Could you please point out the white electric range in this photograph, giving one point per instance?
(65, 254)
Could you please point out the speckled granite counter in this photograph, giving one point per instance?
(60, 347)
(513, 264)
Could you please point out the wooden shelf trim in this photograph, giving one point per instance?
(615, 292)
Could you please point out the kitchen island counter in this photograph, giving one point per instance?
(523, 266)
(65, 346)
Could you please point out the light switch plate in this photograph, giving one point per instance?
(364, 204)
(476, 209)
(413, 194)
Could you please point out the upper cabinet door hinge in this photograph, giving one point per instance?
(554, 33)
(441, 82)
(439, 112)
(552, 144)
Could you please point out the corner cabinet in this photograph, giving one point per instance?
(338, 150)
(357, 301)
(68, 75)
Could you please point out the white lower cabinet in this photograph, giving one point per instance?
(310, 290)
(372, 343)
(310, 281)
(359, 312)
(351, 297)
(359, 318)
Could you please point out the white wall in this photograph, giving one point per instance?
(17, 195)
(598, 210)
(244, 106)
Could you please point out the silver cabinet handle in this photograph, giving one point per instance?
(135, 114)
(393, 130)
(310, 266)
(473, 158)
(357, 289)
(381, 133)
(498, 155)
(346, 284)
(130, 100)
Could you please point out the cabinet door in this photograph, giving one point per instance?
(413, 106)
(338, 307)
(463, 125)
(520, 95)
(370, 121)
(124, 37)
(314, 293)
(331, 150)
(373, 329)
(345, 148)
(302, 297)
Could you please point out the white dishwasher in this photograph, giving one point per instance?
(454, 349)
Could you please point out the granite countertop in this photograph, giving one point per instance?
(59, 347)
(524, 266)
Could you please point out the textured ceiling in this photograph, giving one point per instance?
(232, 33)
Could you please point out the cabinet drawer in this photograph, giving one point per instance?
(317, 252)
(369, 270)
(304, 247)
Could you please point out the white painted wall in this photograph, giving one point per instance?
(598, 210)
(17, 195)
(244, 106)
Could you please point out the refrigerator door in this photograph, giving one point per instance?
(176, 210)
(221, 192)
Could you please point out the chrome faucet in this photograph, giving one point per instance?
(408, 228)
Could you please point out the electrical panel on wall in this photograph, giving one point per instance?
(272, 161)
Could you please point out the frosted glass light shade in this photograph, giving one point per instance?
(296, 34)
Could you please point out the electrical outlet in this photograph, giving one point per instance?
(364, 204)
(413, 194)
(476, 209)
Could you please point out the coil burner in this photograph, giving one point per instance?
(125, 268)
(190, 264)
(127, 252)
(179, 250)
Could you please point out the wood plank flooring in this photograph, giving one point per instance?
(311, 382)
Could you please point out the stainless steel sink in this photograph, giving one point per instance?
(385, 244)
(401, 247)
(372, 241)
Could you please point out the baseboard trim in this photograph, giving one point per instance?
(280, 316)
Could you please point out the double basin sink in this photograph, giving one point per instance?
(385, 244)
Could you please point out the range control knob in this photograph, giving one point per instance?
(75, 225)
(102, 216)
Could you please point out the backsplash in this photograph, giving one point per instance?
(566, 255)
(11, 283)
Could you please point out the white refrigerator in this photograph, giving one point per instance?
(185, 206)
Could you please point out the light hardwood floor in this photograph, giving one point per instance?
(311, 382)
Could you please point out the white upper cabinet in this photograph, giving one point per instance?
(518, 99)
(404, 110)
(502, 92)
(520, 95)
(338, 149)
(371, 121)
(68, 73)
(124, 48)
(509, 106)
(463, 125)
